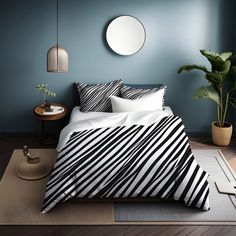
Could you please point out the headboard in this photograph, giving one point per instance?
(144, 86)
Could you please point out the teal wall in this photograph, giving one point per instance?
(176, 30)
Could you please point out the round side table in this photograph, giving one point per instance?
(43, 118)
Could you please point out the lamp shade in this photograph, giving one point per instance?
(57, 59)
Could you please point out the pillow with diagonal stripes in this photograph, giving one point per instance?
(96, 97)
(132, 93)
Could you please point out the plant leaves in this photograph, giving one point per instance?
(207, 92)
(225, 55)
(232, 73)
(206, 52)
(43, 88)
(219, 77)
(192, 67)
(214, 77)
(226, 68)
(217, 60)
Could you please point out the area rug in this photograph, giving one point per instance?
(21, 200)
(223, 206)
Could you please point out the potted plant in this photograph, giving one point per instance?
(43, 88)
(217, 90)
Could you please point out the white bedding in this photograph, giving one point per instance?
(77, 115)
(93, 120)
(127, 155)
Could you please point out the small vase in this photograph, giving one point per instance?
(47, 105)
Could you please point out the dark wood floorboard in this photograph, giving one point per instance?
(8, 143)
(118, 230)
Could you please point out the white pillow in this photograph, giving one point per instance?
(150, 102)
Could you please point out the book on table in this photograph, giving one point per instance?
(54, 110)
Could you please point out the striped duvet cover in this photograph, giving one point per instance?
(147, 157)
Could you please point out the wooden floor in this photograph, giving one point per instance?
(9, 143)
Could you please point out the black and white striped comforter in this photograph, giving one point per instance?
(129, 161)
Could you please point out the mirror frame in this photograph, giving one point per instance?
(112, 44)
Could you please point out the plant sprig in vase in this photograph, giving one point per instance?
(221, 70)
(43, 88)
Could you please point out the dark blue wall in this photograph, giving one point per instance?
(176, 30)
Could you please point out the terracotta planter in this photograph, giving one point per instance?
(221, 136)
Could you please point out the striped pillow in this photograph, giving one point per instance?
(96, 97)
(135, 93)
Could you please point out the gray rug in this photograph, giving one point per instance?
(223, 206)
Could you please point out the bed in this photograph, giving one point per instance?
(77, 115)
(126, 155)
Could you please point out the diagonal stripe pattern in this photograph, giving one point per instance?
(151, 161)
(96, 97)
(136, 93)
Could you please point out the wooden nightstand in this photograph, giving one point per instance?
(39, 114)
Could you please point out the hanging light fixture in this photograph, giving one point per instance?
(57, 57)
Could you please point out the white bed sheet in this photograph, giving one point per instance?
(77, 115)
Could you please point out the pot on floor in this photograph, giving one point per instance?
(221, 136)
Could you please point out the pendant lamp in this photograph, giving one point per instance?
(57, 57)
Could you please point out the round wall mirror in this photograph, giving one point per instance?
(125, 35)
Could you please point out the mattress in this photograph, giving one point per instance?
(77, 115)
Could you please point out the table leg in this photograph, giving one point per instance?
(41, 131)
